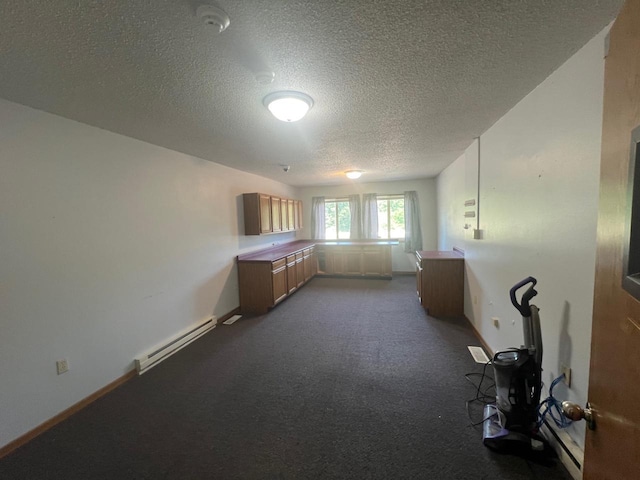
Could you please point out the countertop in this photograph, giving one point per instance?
(276, 252)
(356, 242)
(439, 255)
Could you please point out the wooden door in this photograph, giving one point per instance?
(279, 281)
(291, 215)
(292, 278)
(276, 225)
(265, 214)
(307, 264)
(284, 215)
(374, 261)
(611, 450)
(296, 218)
(443, 287)
(352, 261)
(300, 269)
(314, 263)
(335, 260)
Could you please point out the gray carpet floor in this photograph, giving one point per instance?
(347, 378)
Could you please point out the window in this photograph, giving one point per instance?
(337, 218)
(391, 216)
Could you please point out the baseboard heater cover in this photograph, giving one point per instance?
(150, 360)
(569, 453)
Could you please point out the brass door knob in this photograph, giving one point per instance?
(575, 412)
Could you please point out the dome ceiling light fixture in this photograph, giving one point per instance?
(288, 106)
(353, 174)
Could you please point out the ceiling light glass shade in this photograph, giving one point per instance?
(288, 106)
(353, 174)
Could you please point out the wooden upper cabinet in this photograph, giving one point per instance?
(297, 212)
(257, 213)
(265, 214)
(284, 216)
(276, 224)
(291, 214)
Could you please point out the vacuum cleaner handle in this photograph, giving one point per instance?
(523, 307)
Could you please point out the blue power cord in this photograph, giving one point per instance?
(553, 407)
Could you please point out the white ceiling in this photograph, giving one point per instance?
(400, 87)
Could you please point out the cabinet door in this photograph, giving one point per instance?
(300, 268)
(443, 287)
(373, 261)
(306, 260)
(314, 263)
(284, 215)
(276, 225)
(352, 261)
(265, 214)
(296, 213)
(334, 260)
(279, 282)
(299, 214)
(291, 215)
(292, 278)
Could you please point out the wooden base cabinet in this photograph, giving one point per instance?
(354, 260)
(279, 280)
(440, 282)
(268, 277)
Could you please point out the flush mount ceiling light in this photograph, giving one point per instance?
(353, 174)
(288, 106)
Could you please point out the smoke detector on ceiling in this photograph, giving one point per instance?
(214, 16)
(265, 77)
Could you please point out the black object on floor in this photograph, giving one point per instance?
(348, 378)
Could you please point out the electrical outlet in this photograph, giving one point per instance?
(496, 322)
(567, 375)
(475, 299)
(62, 366)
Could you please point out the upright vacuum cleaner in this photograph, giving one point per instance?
(510, 423)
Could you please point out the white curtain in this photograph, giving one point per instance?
(317, 218)
(412, 231)
(355, 230)
(370, 215)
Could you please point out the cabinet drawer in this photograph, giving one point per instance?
(299, 255)
(278, 263)
(291, 258)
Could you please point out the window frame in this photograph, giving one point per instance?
(387, 198)
(335, 201)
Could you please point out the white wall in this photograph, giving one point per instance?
(538, 204)
(427, 196)
(108, 245)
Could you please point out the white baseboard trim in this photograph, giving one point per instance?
(569, 452)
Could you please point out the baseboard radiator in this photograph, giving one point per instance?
(569, 453)
(150, 360)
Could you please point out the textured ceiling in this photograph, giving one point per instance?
(400, 88)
